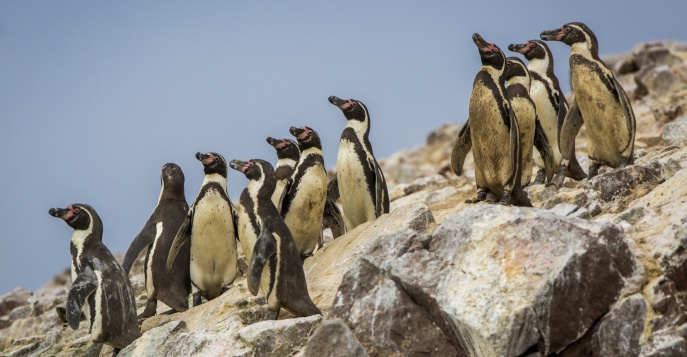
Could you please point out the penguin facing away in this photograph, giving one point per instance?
(494, 132)
(287, 158)
(550, 101)
(362, 187)
(303, 204)
(100, 288)
(171, 287)
(211, 229)
(600, 103)
(275, 267)
(531, 132)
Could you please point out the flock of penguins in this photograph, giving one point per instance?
(517, 115)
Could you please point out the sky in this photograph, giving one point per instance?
(96, 96)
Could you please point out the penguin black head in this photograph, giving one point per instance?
(515, 67)
(351, 108)
(213, 163)
(490, 54)
(307, 138)
(573, 33)
(172, 179)
(532, 49)
(286, 148)
(78, 216)
(257, 170)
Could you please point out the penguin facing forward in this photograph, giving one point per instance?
(287, 158)
(362, 186)
(531, 132)
(210, 228)
(600, 103)
(303, 204)
(494, 132)
(171, 287)
(275, 266)
(100, 288)
(551, 104)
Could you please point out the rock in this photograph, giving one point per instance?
(665, 344)
(333, 338)
(622, 182)
(675, 133)
(278, 338)
(17, 297)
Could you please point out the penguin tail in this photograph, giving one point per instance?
(303, 307)
(519, 197)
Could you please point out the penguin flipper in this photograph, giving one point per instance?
(541, 142)
(84, 285)
(183, 235)
(264, 248)
(332, 218)
(513, 183)
(143, 240)
(571, 126)
(461, 148)
(380, 190)
(628, 153)
(333, 189)
(284, 192)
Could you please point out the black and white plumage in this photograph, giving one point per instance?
(274, 267)
(551, 104)
(100, 288)
(303, 204)
(532, 135)
(288, 154)
(332, 217)
(600, 104)
(362, 186)
(492, 133)
(171, 287)
(210, 227)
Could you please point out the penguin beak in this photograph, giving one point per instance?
(338, 102)
(480, 42)
(552, 35)
(297, 132)
(204, 158)
(62, 213)
(518, 48)
(239, 165)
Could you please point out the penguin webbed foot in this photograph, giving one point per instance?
(594, 169)
(505, 199)
(491, 198)
(623, 162)
(150, 310)
(197, 299)
(557, 180)
(481, 196)
(272, 314)
(540, 178)
(95, 349)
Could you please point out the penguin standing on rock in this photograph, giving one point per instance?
(551, 104)
(100, 286)
(531, 132)
(303, 204)
(275, 266)
(600, 103)
(210, 227)
(361, 183)
(171, 287)
(287, 158)
(493, 130)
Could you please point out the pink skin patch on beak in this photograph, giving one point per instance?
(209, 160)
(346, 105)
(70, 213)
(304, 134)
(282, 144)
(247, 166)
(491, 48)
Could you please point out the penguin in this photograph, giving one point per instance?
(600, 103)
(171, 287)
(517, 79)
(494, 132)
(275, 267)
(332, 217)
(551, 104)
(287, 158)
(303, 204)
(211, 228)
(100, 288)
(362, 186)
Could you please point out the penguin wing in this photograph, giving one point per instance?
(183, 235)
(284, 192)
(333, 189)
(571, 126)
(627, 107)
(461, 148)
(380, 190)
(143, 240)
(541, 142)
(332, 218)
(84, 285)
(265, 246)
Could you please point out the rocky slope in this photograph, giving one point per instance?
(597, 268)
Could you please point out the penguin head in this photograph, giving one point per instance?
(172, 178)
(307, 137)
(286, 148)
(213, 163)
(573, 33)
(516, 72)
(351, 108)
(490, 54)
(78, 216)
(532, 49)
(259, 171)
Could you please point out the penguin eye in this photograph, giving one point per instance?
(76, 210)
(216, 159)
(354, 104)
(567, 29)
(533, 44)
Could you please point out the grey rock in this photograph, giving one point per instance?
(622, 182)
(675, 133)
(666, 343)
(19, 296)
(278, 338)
(333, 338)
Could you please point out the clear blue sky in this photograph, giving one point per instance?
(96, 96)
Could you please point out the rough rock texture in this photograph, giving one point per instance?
(597, 268)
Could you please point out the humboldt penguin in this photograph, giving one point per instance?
(362, 186)
(100, 288)
(210, 227)
(551, 104)
(275, 266)
(287, 158)
(303, 204)
(600, 103)
(494, 132)
(531, 132)
(171, 287)
(332, 217)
